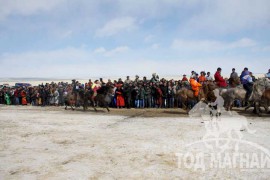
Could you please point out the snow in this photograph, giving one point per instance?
(37, 143)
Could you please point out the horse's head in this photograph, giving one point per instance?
(110, 90)
(259, 88)
(211, 86)
(81, 93)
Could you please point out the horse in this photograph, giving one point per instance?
(260, 95)
(187, 95)
(234, 82)
(265, 101)
(209, 88)
(72, 98)
(230, 94)
(102, 99)
(205, 94)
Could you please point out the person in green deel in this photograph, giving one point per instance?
(7, 98)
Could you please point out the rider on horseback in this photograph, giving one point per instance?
(96, 85)
(75, 90)
(234, 79)
(202, 78)
(219, 79)
(195, 86)
(247, 82)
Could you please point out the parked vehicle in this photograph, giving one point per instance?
(22, 84)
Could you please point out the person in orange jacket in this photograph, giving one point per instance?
(202, 78)
(195, 85)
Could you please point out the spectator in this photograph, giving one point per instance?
(141, 97)
(23, 95)
(120, 102)
(209, 77)
(148, 96)
(127, 81)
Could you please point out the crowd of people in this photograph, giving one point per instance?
(138, 93)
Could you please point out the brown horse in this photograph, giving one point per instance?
(186, 94)
(265, 101)
(233, 82)
(72, 98)
(205, 93)
(102, 99)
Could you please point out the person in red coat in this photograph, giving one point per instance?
(23, 94)
(120, 101)
(184, 78)
(159, 96)
(219, 79)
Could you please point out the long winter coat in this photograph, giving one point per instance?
(219, 80)
(120, 101)
(195, 86)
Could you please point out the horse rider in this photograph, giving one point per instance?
(234, 79)
(195, 86)
(219, 79)
(73, 85)
(267, 75)
(96, 86)
(75, 90)
(247, 82)
(244, 73)
(209, 77)
(202, 78)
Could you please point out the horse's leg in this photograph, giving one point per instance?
(66, 107)
(107, 108)
(188, 106)
(246, 108)
(184, 102)
(93, 105)
(257, 109)
(184, 105)
(227, 107)
(87, 104)
(84, 104)
(72, 107)
(266, 108)
(231, 107)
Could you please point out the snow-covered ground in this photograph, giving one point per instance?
(57, 144)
